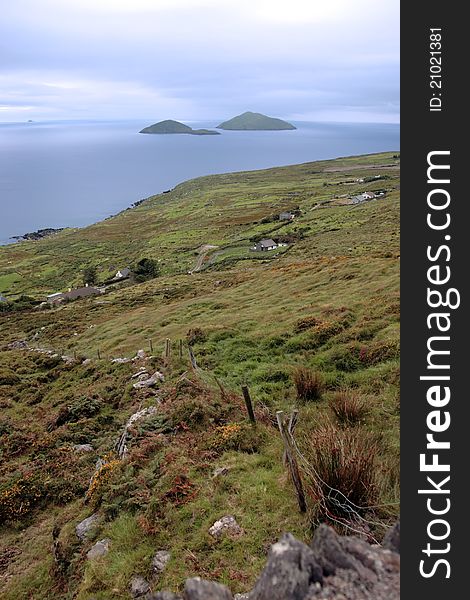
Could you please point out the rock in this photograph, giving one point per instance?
(101, 548)
(121, 361)
(140, 355)
(85, 527)
(241, 597)
(354, 569)
(86, 362)
(391, 540)
(80, 448)
(160, 561)
(140, 372)
(17, 345)
(139, 586)
(291, 570)
(199, 589)
(220, 471)
(150, 382)
(225, 525)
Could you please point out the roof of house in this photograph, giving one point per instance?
(287, 213)
(3, 299)
(124, 272)
(267, 243)
(81, 292)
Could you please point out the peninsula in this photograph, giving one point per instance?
(251, 121)
(170, 126)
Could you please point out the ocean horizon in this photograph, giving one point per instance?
(74, 173)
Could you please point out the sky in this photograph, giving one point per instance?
(190, 60)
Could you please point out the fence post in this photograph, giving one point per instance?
(248, 402)
(151, 346)
(293, 465)
(181, 348)
(99, 354)
(167, 347)
(192, 358)
(290, 430)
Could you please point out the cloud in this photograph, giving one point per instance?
(198, 58)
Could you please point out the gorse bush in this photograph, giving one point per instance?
(348, 407)
(308, 383)
(341, 471)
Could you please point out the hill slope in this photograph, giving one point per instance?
(327, 303)
(250, 121)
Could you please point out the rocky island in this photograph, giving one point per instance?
(170, 126)
(251, 121)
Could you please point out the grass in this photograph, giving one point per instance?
(328, 304)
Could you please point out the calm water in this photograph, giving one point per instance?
(61, 174)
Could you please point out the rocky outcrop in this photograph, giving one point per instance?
(99, 549)
(333, 567)
(86, 527)
(225, 526)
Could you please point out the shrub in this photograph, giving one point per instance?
(146, 268)
(309, 384)
(348, 407)
(236, 436)
(341, 476)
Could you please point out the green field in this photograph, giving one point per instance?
(327, 302)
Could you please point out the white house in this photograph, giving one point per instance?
(265, 245)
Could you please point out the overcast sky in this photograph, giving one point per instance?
(324, 60)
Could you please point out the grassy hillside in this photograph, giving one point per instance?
(325, 307)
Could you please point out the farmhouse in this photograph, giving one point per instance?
(82, 292)
(264, 245)
(286, 216)
(362, 197)
(123, 274)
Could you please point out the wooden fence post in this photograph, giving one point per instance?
(293, 465)
(181, 348)
(192, 358)
(290, 430)
(99, 354)
(151, 346)
(248, 402)
(167, 348)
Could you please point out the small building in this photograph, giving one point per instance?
(286, 216)
(3, 299)
(362, 197)
(73, 294)
(265, 245)
(123, 273)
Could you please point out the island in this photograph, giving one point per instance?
(251, 121)
(170, 126)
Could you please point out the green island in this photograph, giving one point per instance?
(251, 121)
(309, 325)
(169, 126)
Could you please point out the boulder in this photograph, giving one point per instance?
(101, 548)
(150, 382)
(225, 526)
(160, 561)
(291, 570)
(139, 586)
(121, 361)
(140, 355)
(391, 540)
(82, 448)
(199, 589)
(86, 527)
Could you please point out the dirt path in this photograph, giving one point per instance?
(203, 251)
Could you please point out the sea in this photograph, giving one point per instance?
(74, 173)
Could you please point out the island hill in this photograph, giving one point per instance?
(251, 121)
(170, 126)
